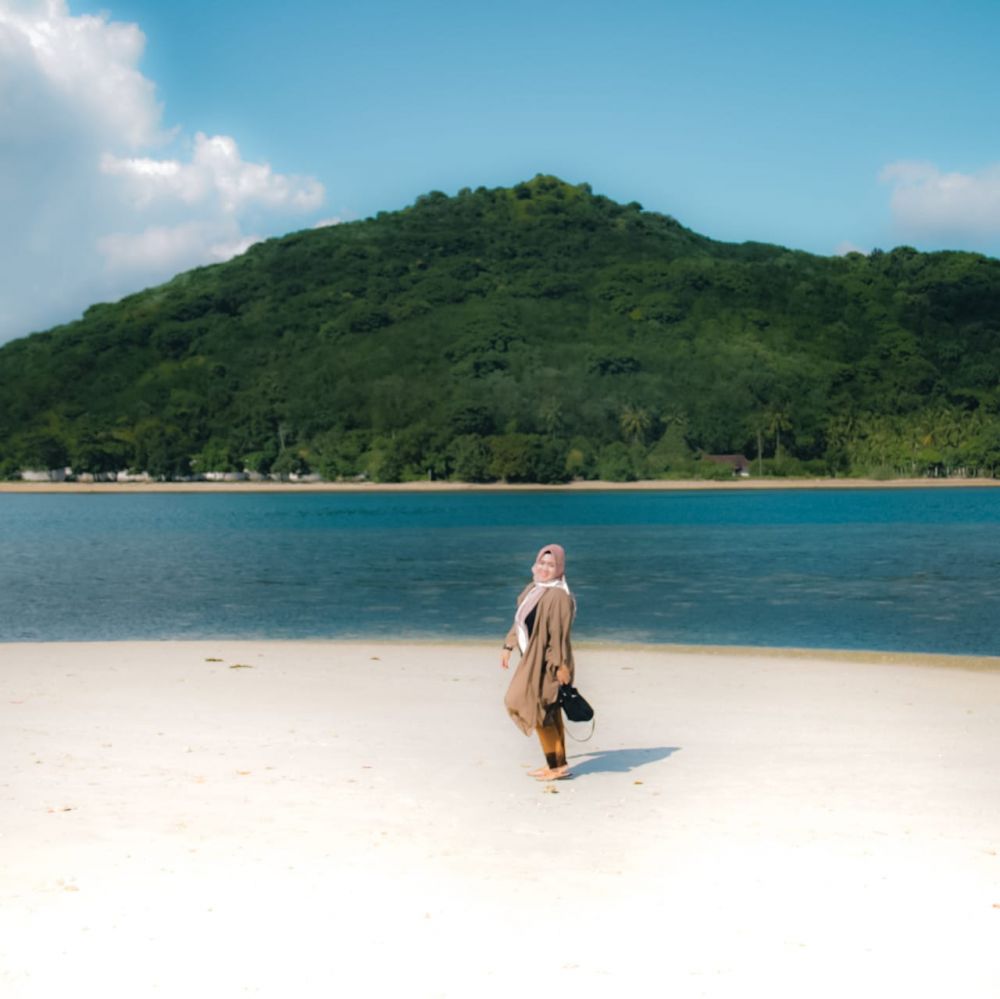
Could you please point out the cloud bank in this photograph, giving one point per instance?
(930, 204)
(98, 198)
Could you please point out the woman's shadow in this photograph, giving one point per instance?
(619, 761)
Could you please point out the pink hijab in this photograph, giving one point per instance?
(531, 598)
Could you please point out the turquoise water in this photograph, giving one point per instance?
(915, 570)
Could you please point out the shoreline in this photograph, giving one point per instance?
(646, 485)
(928, 660)
(285, 814)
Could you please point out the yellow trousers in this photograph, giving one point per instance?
(552, 736)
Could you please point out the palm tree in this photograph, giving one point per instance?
(756, 425)
(777, 420)
(551, 415)
(635, 423)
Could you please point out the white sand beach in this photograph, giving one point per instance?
(321, 819)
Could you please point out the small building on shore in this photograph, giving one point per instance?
(97, 477)
(44, 474)
(738, 462)
(224, 476)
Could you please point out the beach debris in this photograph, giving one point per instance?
(241, 666)
(212, 659)
(375, 659)
(244, 773)
(550, 789)
(637, 782)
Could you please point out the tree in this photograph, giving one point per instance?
(162, 451)
(470, 457)
(99, 454)
(614, 463)
(44, 450)
(527, 458)
(757, 424)
(544, 310)
(551, 415)
(777, 420)
(216, 456)
(289, 463)
(635, 422)
(670, 455)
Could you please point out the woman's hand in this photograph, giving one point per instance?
(505, 659)
(562, 674)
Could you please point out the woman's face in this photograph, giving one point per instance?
(545, 569)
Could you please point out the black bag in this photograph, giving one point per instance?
(573, 704)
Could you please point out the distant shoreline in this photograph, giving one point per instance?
(648, 485)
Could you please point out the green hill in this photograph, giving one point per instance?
(528, 334)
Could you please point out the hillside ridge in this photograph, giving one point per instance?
(534, 333)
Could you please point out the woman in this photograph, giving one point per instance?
(541, 631)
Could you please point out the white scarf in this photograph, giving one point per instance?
(528, 604)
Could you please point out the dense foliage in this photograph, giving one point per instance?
(528, 334)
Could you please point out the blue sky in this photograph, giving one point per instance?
(139, 138)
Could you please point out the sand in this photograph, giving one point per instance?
(324, 819)
(646, 485)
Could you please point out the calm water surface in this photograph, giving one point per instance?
(911, 570)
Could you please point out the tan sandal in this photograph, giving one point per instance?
(559, 773)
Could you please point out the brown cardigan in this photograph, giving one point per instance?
(534, 687)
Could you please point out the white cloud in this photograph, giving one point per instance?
(93, 206)
(170, 248)
(930, 203)
(85, 64)
(216, 175)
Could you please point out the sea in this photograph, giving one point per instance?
(913, 570)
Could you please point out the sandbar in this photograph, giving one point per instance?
(320, 818)
(645, 485)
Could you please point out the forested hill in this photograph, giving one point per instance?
(528, 334)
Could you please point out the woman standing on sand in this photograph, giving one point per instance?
(541, 631)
